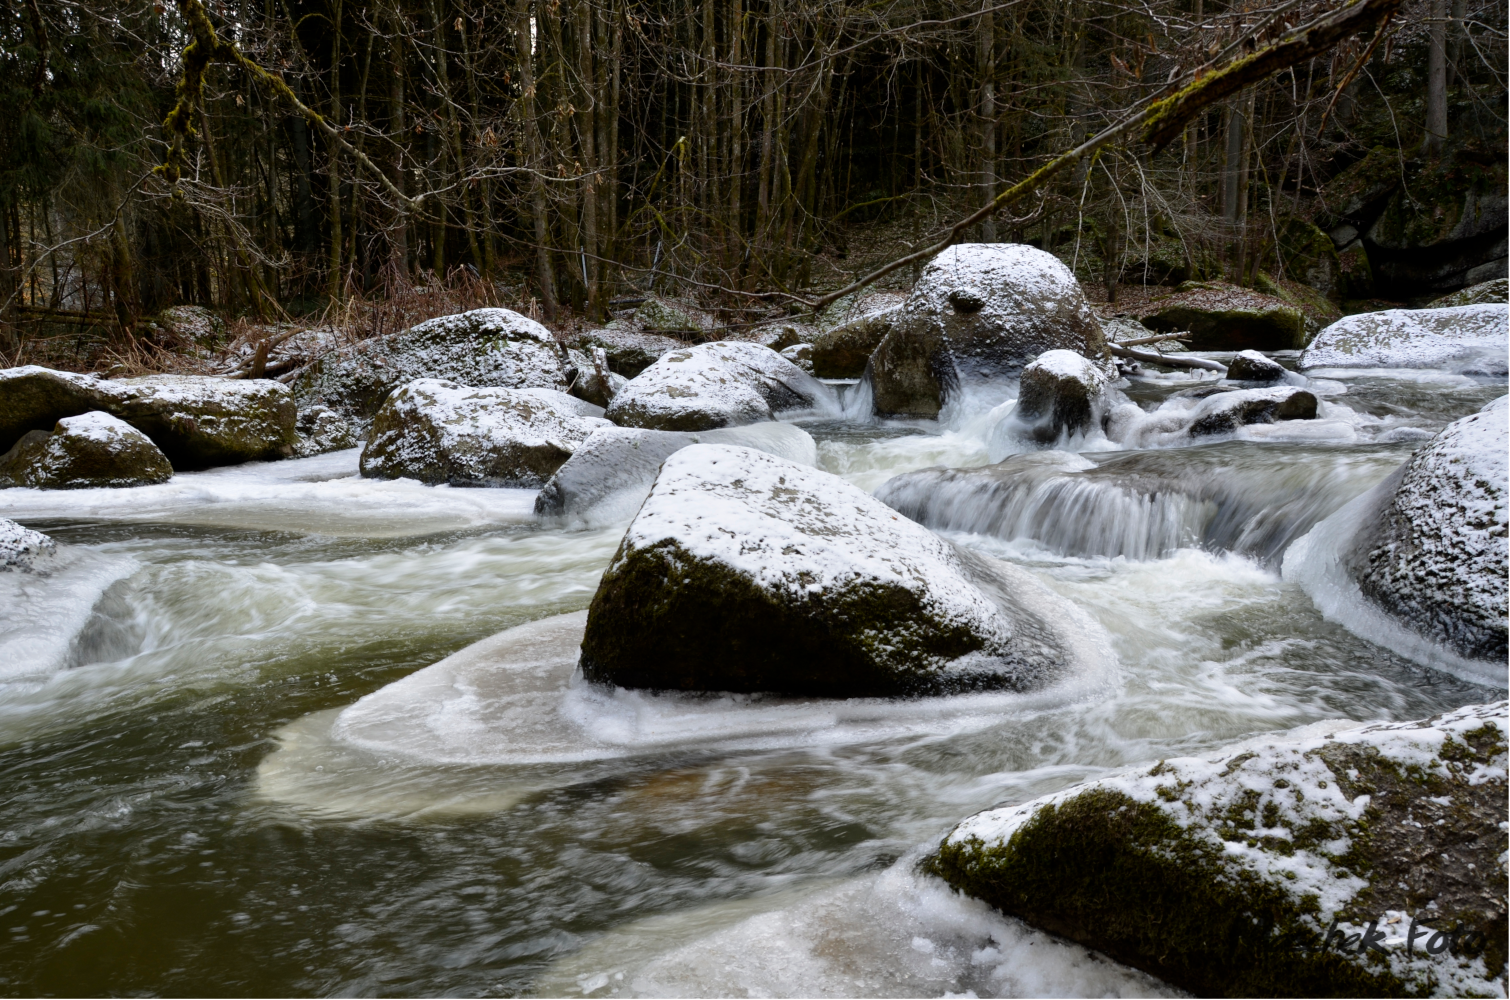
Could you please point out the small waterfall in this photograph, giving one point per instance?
(1253, 500)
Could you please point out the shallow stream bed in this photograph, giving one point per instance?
(178, 816)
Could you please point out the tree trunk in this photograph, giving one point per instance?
(333, 275)
(1436, 81)
(986, 42)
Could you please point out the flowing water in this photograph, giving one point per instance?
(189, 803)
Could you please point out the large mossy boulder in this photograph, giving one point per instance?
(1360, 861)
(1494, 291)
(1310, 257)
(609, 476)
(722, 384)
(90, 450)
(979, 314)
(1431, 548)
(23, 550)
(440, 432)
(197, 421)
(1061, 393)
(484, 348)
(745, 572)
(843, 351)
(1223, 317)
(1459, 338)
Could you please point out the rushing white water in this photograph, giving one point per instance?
(233, 737)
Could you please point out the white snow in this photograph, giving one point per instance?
(1414, 338)
(22, 548)
(722, 384)
(1068, 364)
(101, 427)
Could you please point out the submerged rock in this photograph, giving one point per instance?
(23, 550)
(609, 476)
(1432, 550)
(722, 384)
(440, 432)
(979, 313)
(745, 572)
(90, 450)
(197, 421)
(1297, 866)
(1459, 338)
(1060, 394)
(495, 348)
(1223, 317)
(1251, 366)
(843, 351)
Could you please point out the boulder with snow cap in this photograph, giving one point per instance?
(440, 432)
(90, 450)
(1431, 549)
(197, 421)
(843, 351)
(609, 476)
(485, 348)
(722, 384)
(1251, 366)
(1469, 338)
(746, 572)
(23, 550)
(979, 313)
(1060, 393)
(1224, 412)
(593, 380)
(1342, 860)
(322, 429)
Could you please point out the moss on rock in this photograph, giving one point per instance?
(1224, 317)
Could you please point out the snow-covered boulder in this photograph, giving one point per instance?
(1251, 366)
(593, 380)
(980, 312)
(1432, 549)
(484, 348)
(440, 432)
(91, 449)
(1224, 412)
(843, 351)
(322, 429)
(609, 476)
(1470, 338)
(1061, 393)
(1339, 860)
(722, 384)
(1497, 290)
(800, 355)
(196, 420)
(23, 550)
(746, 572)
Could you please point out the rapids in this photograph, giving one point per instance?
(265, 729)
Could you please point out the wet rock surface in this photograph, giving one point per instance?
(485, 348)
(197, 421)
(843, 351)
(440, 432)
(90, 450)
(1061, 393)
(979, 313)
(1280, 867)
(722, 384)
(744, 572)
(1433, 553)
(23, 550)
(1251, 366)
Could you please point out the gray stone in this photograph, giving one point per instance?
(722, 384)
(90, 450)
(322, 429)
(1495, 290)
(1061, 393)
(1251, 366)
(23, 550)
(800, 355)
(843, 351)
(1225, 412)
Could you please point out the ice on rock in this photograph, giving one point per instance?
(722, 384)
(22, 549)
(609, 476)
(1224, 874)
(745, 572)
(440, 432)
(1460, 338)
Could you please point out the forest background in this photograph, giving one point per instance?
(571, 158)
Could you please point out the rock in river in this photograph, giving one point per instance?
(197, 421)
(1223, 317)
(1338, 861)
(980, 313)
(91, 449)
(1459, 338)
(496, 348)
(22, 549)
(1061, 393)
(745, 572)
(722, 384)
(440, 432)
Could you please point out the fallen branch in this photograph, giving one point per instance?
(1164, 359)
(1140, 341)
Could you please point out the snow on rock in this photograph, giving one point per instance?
(198, 421)
(1435, 554)
(980, 312)
(609, 476)
(1251, 366)
(1224, 412)
(722, 384)
(1297, 865)
(440, 432)
(496, 348)
(1468, 339)
(1061, 393)
(22, 549)
(90, 450)
(322, 429)
(842, 352)
(745, 572)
